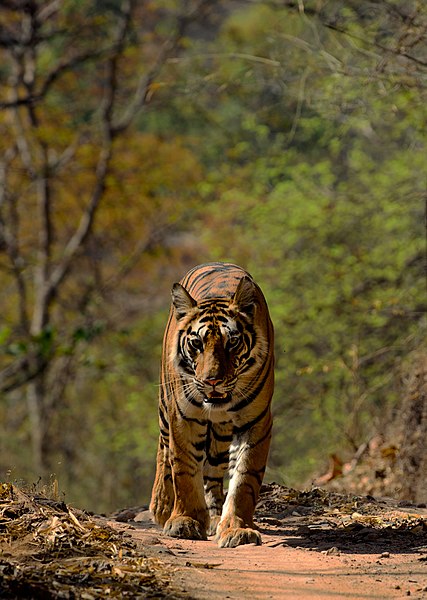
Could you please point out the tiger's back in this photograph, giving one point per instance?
(214, 405)
(213, 280)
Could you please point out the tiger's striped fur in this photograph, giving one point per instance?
(214, 406)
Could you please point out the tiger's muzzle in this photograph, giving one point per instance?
(214, 393)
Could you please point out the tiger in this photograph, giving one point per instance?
(216, 386)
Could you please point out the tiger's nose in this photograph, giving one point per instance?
(212, 381)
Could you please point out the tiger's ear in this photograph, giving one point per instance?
(181, 300)
(244, 299)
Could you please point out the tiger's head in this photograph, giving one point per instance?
(216, 342)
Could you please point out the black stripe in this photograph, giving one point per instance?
(248, 364)
(185, 466)
(199, 445)
(188, 473)
(191, 283)
(187, 278)
(163, 419)
(189, 397)
(258, 475)
(203, 289)
(194, 402)
(185, 366)
(239, 430)
(197, 457)
(164, 433)
(219, 459)
(213, 304)
(192, 278)
(198, 421)
(251, 397)
(228, 437)
(214, 479)
(221, 319)
(263, 438)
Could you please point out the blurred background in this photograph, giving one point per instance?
(139, 138)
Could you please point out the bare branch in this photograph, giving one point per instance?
(46, 12)
(21, 371)
(20, 101)
(44, 250)
(84, 228)
(9, 231)
(57, 163)
(87, 220)
(375, 44)
(65, 66)
(28, 90)
(317, 12)
(142, 91)
(22, 142)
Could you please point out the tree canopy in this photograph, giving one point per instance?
(141, 138)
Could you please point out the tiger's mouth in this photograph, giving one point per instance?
(216, 399)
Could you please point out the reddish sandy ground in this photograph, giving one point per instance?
(316, 544)
(303, 556)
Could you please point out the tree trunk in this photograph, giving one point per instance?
(35, 397)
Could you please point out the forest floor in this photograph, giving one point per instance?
(316, 544)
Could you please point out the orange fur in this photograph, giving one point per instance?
(214, 406)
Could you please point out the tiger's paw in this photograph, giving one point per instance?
(232, 537)
(185, 527)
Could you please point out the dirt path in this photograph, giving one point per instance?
(378, 553)
(280, 570)
(316, 544)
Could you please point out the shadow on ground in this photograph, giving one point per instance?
(327, 521)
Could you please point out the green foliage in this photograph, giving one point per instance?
(330, 227)
(119, 433)
(293, 148)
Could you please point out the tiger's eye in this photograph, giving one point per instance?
(233, 341)
(196, 344)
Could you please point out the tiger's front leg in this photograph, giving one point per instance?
(162, 495)
(219, 438)
(189, 518)
(248, 459)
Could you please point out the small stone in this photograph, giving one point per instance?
(385, 555)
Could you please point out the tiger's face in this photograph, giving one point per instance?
(215, 341)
